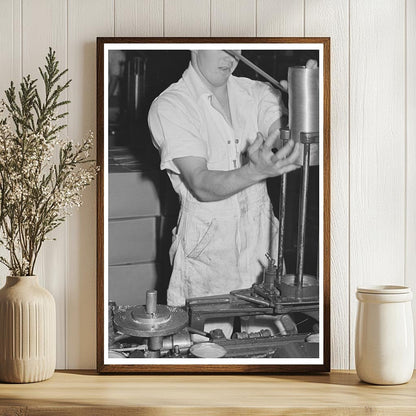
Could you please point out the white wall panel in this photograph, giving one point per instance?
(86, 21)
(138, 17)
(373, 173)
(44, 24)
(233, 18)
(411, 150)
(10, 44)
(377, 146)
(10, 66)
(187, 18)
(280, 18)
(7, 41)
(330, 18)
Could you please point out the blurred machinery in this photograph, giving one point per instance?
(160, 331)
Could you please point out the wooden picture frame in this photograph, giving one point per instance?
(134, 206)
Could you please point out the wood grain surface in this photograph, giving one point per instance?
(82, 393)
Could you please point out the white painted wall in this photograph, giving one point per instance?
(373, 132)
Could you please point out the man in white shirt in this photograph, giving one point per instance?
(215, 133)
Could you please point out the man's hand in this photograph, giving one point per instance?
(214, 185)
(263, 163)
(312, 64)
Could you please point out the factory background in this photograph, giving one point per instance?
(373, 133)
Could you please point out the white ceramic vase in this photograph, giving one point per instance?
(384, 341)
(27, 331)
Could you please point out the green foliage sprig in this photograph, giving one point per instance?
(41, 175)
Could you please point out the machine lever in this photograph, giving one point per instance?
(252, 300)
(198, 332)
(265, 75)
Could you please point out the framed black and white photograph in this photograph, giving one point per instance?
(213, 249)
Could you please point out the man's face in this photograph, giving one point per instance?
(215, 66)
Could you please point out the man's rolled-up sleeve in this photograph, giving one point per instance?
(175, 133)
(271, 108)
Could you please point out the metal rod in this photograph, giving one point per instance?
(302, 216)
(151, 302)
(257, 69)
(155, 343)
(252, 300)
(198, 332)
(282, 218)
(138, 347)
(284, 137)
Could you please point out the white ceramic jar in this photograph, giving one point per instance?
(384, 338)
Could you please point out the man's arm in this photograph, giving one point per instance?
(214, 185)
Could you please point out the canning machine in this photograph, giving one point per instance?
(286, 304)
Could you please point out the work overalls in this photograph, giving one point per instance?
(220, 246)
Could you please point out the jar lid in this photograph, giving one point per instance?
(208, 350)
(384, 289)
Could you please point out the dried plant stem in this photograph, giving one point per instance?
(36, 194)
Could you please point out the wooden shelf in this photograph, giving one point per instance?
(86, 393)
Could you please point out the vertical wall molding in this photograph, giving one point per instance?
(138, 18)
(377, 137)
(233, 18)
(187, 18)
(410, 81)
(37, 38)
(330, 18)
(10, 44)
(280, 18)
(10, 65)
(87, 20)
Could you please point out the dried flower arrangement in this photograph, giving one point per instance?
(42, 176)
